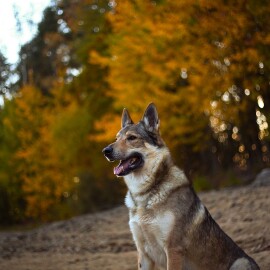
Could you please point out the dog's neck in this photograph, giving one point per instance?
(138, 182)
(148, 185)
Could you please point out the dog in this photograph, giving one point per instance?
(171, 227)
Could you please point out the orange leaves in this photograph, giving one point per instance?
(181, 55)
(204, 64)
(37, 165)
(96, 58)
(106, 128)
(149, 60)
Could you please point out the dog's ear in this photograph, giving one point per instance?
(126, 119)
(150, 118)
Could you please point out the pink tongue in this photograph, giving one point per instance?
(121, 167)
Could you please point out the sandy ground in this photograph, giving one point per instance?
(103, 240)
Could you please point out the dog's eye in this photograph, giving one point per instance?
(131, 138)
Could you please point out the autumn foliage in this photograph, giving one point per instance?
(204, 63)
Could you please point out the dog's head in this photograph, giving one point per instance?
(135, 142)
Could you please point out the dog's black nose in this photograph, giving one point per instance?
(107, 150)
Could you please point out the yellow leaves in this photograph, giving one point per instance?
(265, 39)
(172, 64)
(38, 166)
(181, 55)
(38, 207)
(184, 55)
(7, 123)
(106, 128)
(251, 54)
(96, 58)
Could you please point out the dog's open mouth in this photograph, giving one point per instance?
(128, 165)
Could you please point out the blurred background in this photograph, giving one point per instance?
(205, 64)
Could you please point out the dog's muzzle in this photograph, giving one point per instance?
(127, 164)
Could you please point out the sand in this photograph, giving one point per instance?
(103, 240)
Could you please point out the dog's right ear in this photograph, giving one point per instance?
(126, 119)
(150, 118)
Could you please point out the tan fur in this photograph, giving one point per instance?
(153, 220)
(152, 226)
(170, 226)
(138, 182)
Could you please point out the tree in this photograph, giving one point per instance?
(5, 73)
(205, 65)
(12, 202)
(47, 56)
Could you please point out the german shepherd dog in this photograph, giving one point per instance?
(171, 227)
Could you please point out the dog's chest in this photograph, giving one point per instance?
(151, 232)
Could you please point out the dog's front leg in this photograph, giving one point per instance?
(174, 259)
(144, 262)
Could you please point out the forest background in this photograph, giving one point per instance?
(205, 64)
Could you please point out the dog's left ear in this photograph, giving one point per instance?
(150, 118)
(126, 119)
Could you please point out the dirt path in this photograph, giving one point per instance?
(103, 241)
